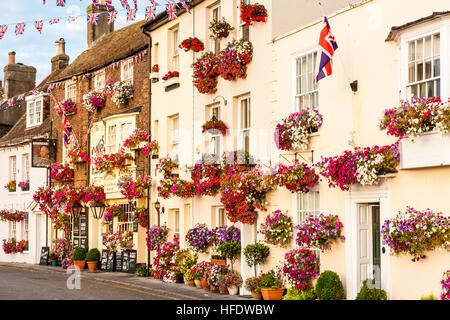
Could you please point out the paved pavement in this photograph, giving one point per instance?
(20, 281)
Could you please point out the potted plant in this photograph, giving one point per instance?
(79, 257)
(197, 275)
(203, 270)
(68, 106)
(171, 78)
(92, 258)
(11, 186)
(329, 286)
(230, 250)
(218, 259)
(252, 285)
(24, 185)
(371, 292)
(216, 275)
(142, 270)
(119, 92)
(154, 75)
(234, 282)
(220, 29)
(189, 278)
(271, 286)
(256, 254)
(192, 43)
(53, 260)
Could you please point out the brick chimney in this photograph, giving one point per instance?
(61, 59)
(95, 32)
(18, 77)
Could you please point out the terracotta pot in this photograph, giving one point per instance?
(198, 283)
(223, 289)
(79, 264)
(192, 283)
(233, 290)
(256, 295)
(213, 288)
(204, 284)
(272, 294)
(92, 265)
(219, 262)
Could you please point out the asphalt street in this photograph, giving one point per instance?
(24, 284)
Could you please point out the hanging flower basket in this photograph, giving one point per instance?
(78, 155)
(215, 127)
(109, 162)
(137, 140)
(68, 106)
(150, 148)
(220, 29)
(113, 211)
(206, 72)
(234, 60)
(141, 216)
(61, 172)
(134, 189)
(253, 13)
(93, 101)
(24, 185)
(193, 44)
(11, 186)
(119, 92)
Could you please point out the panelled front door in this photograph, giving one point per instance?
(80, 230)
(369, 238)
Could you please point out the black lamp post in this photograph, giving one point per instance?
(159, 210)
(75, 209)
(98, 209)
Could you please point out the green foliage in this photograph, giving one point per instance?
(142, 270)
(230, 250)
(252, 285)
(329, 286)
(296, 294)
(79, 253)
(429, 297)
(367, 293)
(256, 254)
(93, 255)
(270, 280)
(52, 255)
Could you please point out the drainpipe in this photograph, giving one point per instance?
(149, 129)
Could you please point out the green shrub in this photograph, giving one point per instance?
(230, 250)
(256, 254)
(52, 255)
(270, 280)
(371, 294)
(296, 294)
(93, 255)
(79, 253)
(252, 285)
(429, 297)
(329, 286)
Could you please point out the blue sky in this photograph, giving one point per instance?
(37, 49)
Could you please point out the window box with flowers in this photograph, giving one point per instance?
(171, 80)
(78, 155)
(11, 246)
(61, 173)
(15, 216)
(109, 162)
(423, 126)
(294, 132)
(253, 13)
(11, 186)
(193, 44)
(134, 189)
(137, 140)
(154, 75)
(119, 92)
(215, 126)
(220, 29)
(68, 106)
(24, 185)
(93, 101)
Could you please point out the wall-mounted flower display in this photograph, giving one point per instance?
(253, 13)
(93, 101)
(192, 43)
(119, 92)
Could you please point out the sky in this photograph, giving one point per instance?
(36, 49)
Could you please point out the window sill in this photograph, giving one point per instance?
(172, 87)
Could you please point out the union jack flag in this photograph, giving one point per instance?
(21, 97)
(125, 5)
(327, 47)
(112, 15)
(39, 24)
(108, 4)
(3, 29)
(185, 6)
(135, 5)
(60, 3)
(67, 129)
(93, 18)
(20, 28)
(95, 4)
(10, 102)
(72, 18)
(36, 91)
(53, 21)
(154, 3)
(150, 13)
(171, 11)
(131, 15)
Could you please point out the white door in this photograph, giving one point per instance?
(364, 251)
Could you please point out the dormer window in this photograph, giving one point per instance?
(99, 82)
(127, 71)
(34, 110)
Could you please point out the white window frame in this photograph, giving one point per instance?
(13, 230)
(13, 169)
(35, 118)
(26, 167)
(220, 212)
(315, 89)
(119, 138)
(176, 222)
(175, 54)
(215, 140)
(242, 24)
(99, 81)
(215, 43)
(441, 26)
(247, 130)
(127, 71)
(71, 91)
(125, 226)
(25, 229)
(302, 213)
(174, 138)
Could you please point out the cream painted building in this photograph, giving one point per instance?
(374, 38)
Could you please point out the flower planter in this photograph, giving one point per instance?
(256, 295)
(92, 265)
(198, 283)
(192, 283)
(219, 262)
(223, 289)
(171, 81)
(205, 285)
(233, 290)
(80, 264)
(138, 146)
(154, 75)
(214, 132)
(54, 263)
(223, 34)
(212, 288)
(272, 294)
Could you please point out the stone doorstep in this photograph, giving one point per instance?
(178, 290)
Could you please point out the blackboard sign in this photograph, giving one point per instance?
(111, 263)
(119, 259)
(132, 261)
(104, 261)
(126, 261)
(44, 256)
(135, 226)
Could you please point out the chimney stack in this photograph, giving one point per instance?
(95, 32)
(12, 58)
(60, 60)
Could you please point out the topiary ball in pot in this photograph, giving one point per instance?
(372, 293)
(329, 286)
(79, 253)
(93, 255)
